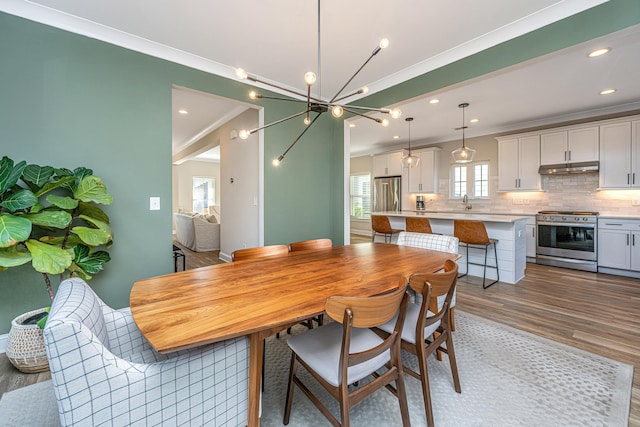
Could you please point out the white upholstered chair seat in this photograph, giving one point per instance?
(320, 349)
(105, 372)
(410, 322)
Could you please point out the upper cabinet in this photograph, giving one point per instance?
(424, 177)
(518, 163)
(570, 146)
(387, 164)
(620, 155)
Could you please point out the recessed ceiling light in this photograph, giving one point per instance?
(183, 111)
(352, 125)
(607, 91)
(599, 52)
(396, 136)
(474, 120)
(434, 101)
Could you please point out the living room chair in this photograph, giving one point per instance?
(346, 351)
(473, 234)
(425, 331)
(435, 242)
(105, 372)
(260, 252)
(380, 225)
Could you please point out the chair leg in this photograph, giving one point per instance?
(452, 362)
(424, 379)
(451, 319)
(264, 353)
(373, 236)
(467, 258)
(344, 405)
(495, 252)
(402, 399)
(289, 399)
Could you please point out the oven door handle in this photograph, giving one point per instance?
(568, 224)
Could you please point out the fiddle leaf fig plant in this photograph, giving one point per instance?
(51, 218)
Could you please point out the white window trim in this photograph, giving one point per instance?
(470, 180)
(361, 218)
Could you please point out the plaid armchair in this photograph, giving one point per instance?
(105, 373)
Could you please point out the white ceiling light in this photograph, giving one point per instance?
(474, 120)
(607, 91)
(434, 101)
(599, 52)
(183, 111)
(463, 154)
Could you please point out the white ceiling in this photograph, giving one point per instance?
(277, 41)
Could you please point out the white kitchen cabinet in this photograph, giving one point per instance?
(518, 163)
(387, 164)
(619, 244)
(620, 155)
(573, 145)
(424, 177)
(532, 242)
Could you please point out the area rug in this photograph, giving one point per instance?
(508, 378)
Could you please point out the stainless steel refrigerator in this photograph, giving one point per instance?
(387, 194)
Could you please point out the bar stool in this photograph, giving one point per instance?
(178, 253)
(418, 225)
(381, 225)
(474, 234)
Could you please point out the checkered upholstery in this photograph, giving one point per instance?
(105, 373)
(436, 242)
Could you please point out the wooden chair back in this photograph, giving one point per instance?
(471, 232)
(432, 286)
(260, 252)
(418, 225)
(306, 245)
(380, 224)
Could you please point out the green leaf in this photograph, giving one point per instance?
(13, 229)
(92, 236)
(42, 322)
(9, 174)
(77, 271)
(47, 258)
(12, 257)
(91, 189)
(61, 182)
(22, 199)
(55, 219)
(37, 175)
(72, 240)
(36, 208)
(82, 172)
(93, 211)
(62, 202)
(91, 263)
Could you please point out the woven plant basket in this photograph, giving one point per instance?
(25, 347)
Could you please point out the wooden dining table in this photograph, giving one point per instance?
(257, 298)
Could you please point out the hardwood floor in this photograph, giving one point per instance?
(197, 259)
(598, 313)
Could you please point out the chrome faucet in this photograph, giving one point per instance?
(465, 201)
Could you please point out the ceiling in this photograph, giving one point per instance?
(277, 41)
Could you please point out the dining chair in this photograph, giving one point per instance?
(435, 242)
(260, 252)
(418, 225)
(427, 328)
(473, 234)
(346, 351)
(380, 225)
(314, 244)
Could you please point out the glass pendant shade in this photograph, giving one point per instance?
(463, 154)
(410, 161)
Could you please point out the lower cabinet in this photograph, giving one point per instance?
(619, 244)
(531, 239)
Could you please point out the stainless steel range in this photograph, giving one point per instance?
(568, 239)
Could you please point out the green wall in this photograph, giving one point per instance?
(67, 100)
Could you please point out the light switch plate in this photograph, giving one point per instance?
(635, 203)
(154, 203)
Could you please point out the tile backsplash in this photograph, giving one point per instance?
(578, 192)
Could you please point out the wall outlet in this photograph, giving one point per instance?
(516, 201)
(154, 203)
(635, 203)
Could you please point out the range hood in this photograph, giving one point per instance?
(566, 168)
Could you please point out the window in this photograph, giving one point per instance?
(361, 196)
(204, 193)
(471, 179)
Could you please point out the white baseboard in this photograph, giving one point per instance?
(224, 257)
(361, 232)
(3, 343)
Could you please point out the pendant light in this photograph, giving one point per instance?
(410, 161)
(463, 154)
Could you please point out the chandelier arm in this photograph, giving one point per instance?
(300, 94)
(379, 110)
(282, 99)
(347, 96)
(299, 136)
(361, 115)
(355, 74)
(278, 121)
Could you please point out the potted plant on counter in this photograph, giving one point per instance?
(50, 218)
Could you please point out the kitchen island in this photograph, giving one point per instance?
(509, 230)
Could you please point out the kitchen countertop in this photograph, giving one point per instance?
(457, 215)
(618, 216)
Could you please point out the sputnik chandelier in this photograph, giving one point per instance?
(317, 105)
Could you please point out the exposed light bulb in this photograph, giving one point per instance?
(310, 78)
(337, 111)
(241, 74)
(364, 90)
(243, 134)
(384, 43)
(384, 122)
(276, 162)
(395, 113)
(307, 120)
(253, 94)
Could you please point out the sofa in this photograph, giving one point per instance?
(197, 232)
